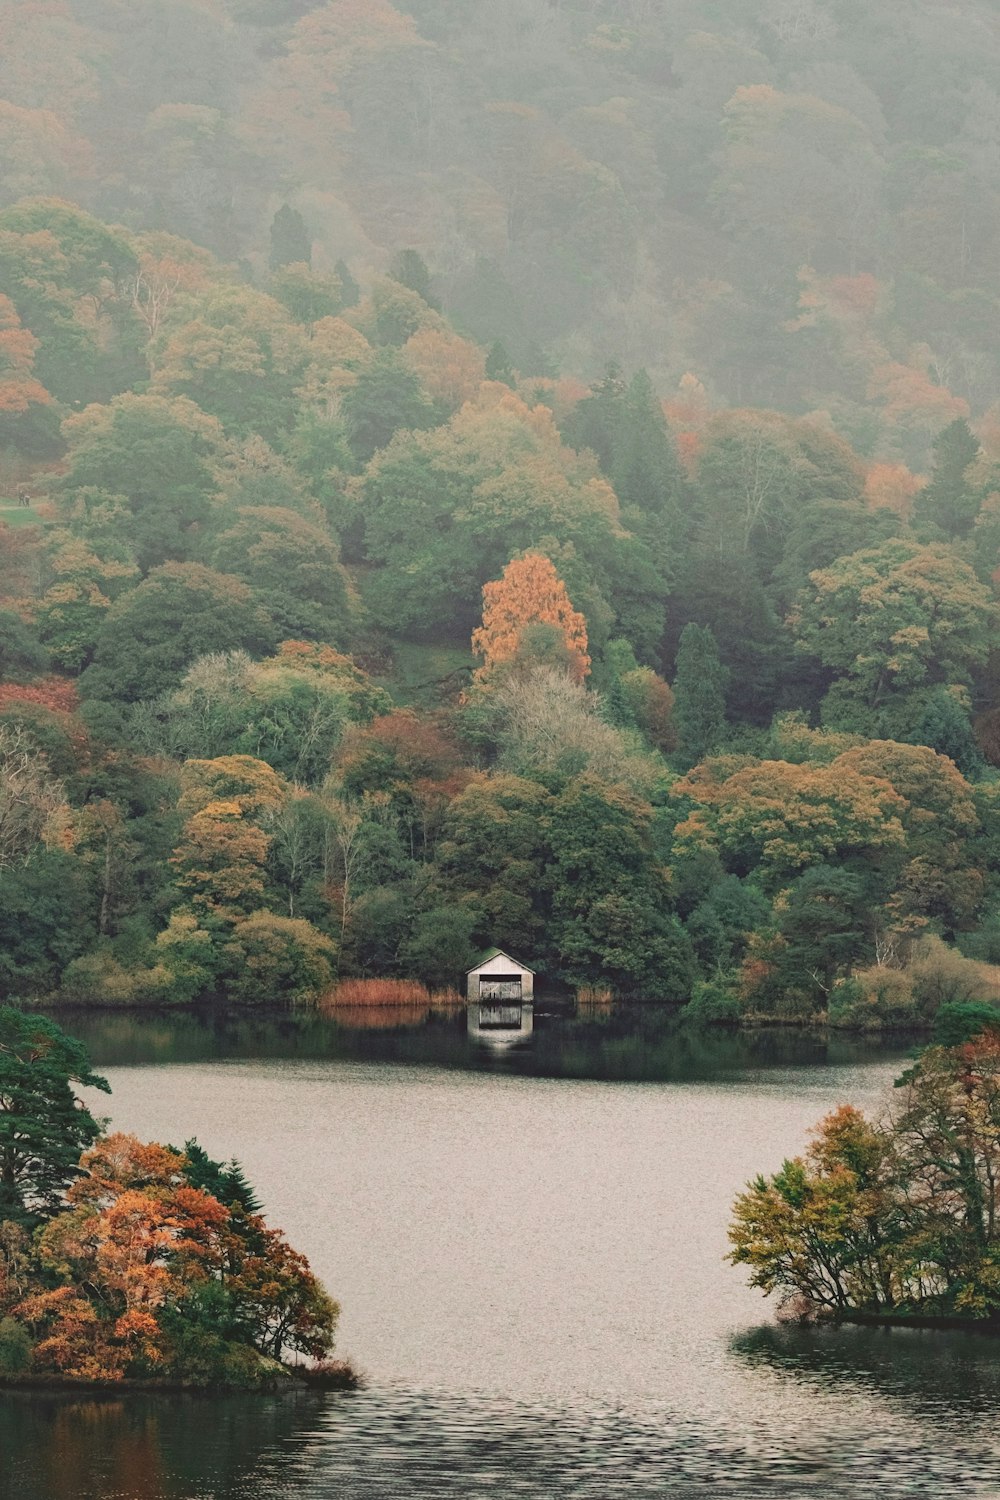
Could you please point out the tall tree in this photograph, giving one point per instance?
(290, 240)
(700, 682)
(529, 593)
(950, 502)
(43, 1126)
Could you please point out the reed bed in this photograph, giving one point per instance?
(388, 994)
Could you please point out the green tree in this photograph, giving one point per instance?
(646, 472)
(949, 503)
(410, 269)
(385, 398)
(700, 681)
(290, 240)
(893, 621)
(160, 458)
(180, 612)
(946, 727)
(43, 1126)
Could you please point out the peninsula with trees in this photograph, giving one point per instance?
(128, 1262)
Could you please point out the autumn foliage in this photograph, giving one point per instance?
(146, 1274)
(529, 593)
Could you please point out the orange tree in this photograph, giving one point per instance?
(529, 593)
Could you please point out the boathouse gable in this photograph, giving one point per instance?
(499, 979)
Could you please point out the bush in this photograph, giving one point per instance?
(942, 976)
(16, 1353)
(872, 999)
(712, 1004)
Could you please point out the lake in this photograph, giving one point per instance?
(528, 1245)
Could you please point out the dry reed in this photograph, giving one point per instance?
(397, 994)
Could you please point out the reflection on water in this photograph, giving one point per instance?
(637, 1043)
(501, 1026)
(927, 1374)
(397, 1444)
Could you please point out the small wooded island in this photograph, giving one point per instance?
(896, 1219)
(125, 1261)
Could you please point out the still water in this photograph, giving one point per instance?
(528, 1246)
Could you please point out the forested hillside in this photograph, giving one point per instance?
(519, 475)
(797, 201)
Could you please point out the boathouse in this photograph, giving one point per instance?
(498, 979)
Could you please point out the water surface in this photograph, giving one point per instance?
(529, 1252)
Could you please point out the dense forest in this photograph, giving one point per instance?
(518, 475)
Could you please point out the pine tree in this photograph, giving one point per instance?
(351, 292)
(700, 681)
(645, 471)
(950, 503)
(596, 420)
(410, 269)
(290, 241)
(945, 727)
(498, 365)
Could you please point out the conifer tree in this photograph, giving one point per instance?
(700, 682)
(290, 242)
(950, 502)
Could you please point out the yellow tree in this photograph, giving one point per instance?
(529, 593)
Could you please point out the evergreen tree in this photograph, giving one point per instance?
(43, 1126)
(223, 1180)
(350, 291)
(290, 240)
(945, 727)
(498, 365)
(410, 269)
(950, 503)
(699, 693)
(385, 398)
(595, 421)
(645, 470)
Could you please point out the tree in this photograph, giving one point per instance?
(31, 799)
(950, 501)
(181, 611)
(645, 470)
(384, 398)
(290, 240)
(700, 681)
(893, 621)
(162, 457)
(530, 592)
(272, 959)
(410, 269)
(780, 819)
(610, 922)
(293, 565)
(43, 1126)
(826, 1227)
(946, 727)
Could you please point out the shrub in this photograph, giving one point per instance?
(942, 976)
(15, 1347)
(872, 999)
(712, 1004)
